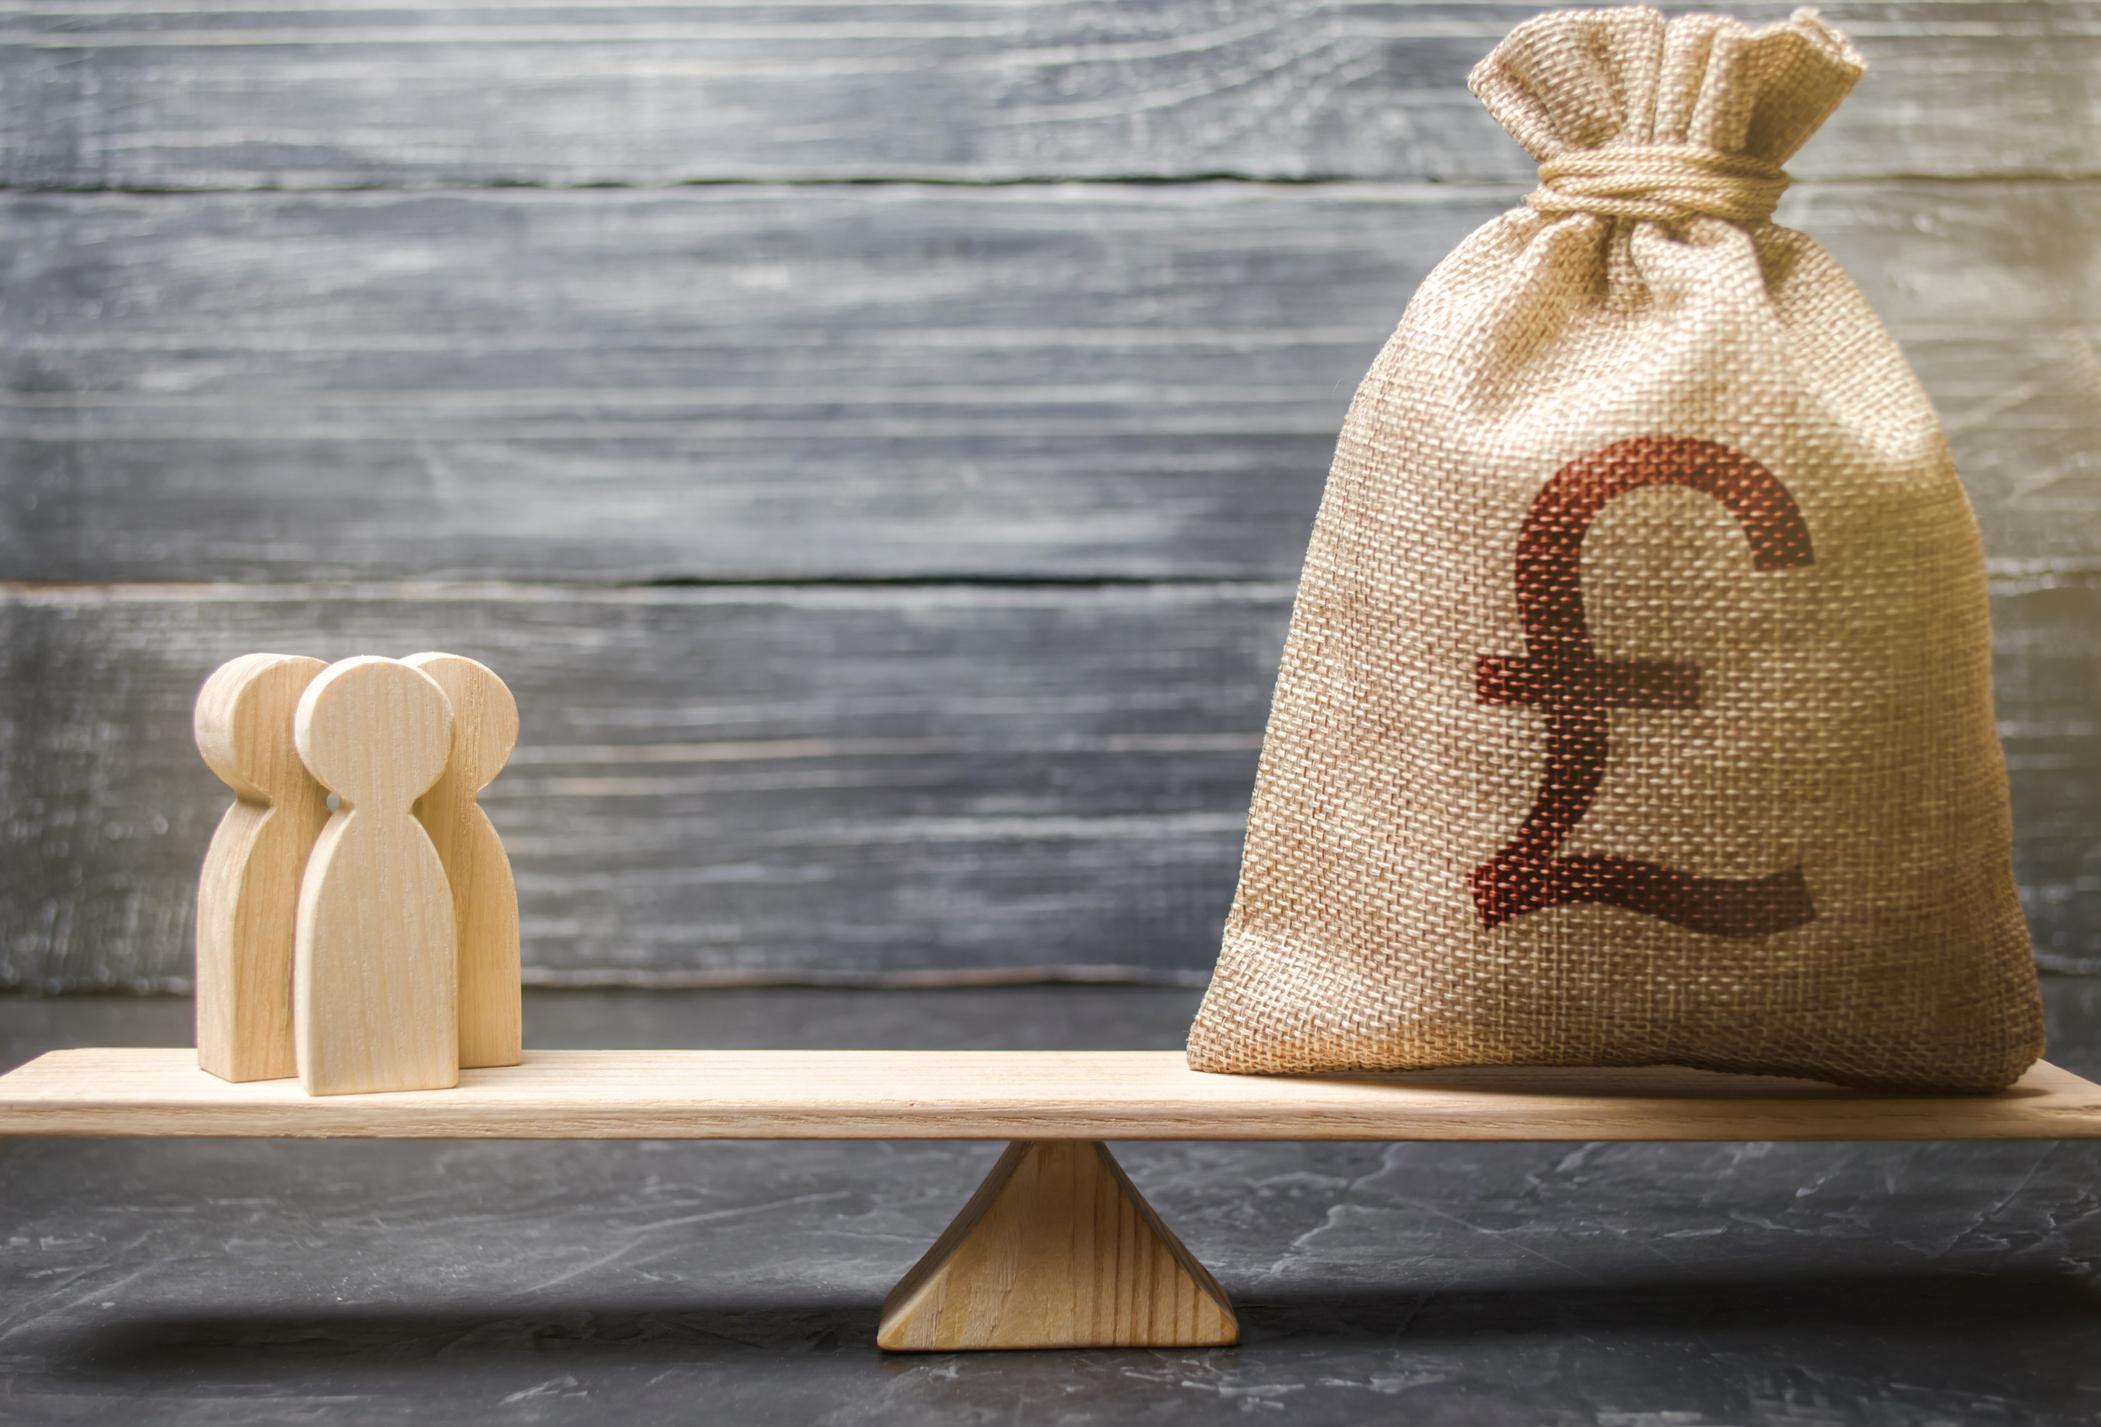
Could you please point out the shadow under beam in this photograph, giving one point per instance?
(256, 1343)
(1718, 1308)
(231, 1345)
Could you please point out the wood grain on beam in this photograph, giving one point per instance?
(847, 784)
(849, 382)
(376, 93)
(979, 1095)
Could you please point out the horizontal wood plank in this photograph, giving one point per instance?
(849, 382)
(253, 93)
(857, 784)
(850, 784)
(1019, 1094)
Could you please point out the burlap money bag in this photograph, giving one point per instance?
(1637, 705)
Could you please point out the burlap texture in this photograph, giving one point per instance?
(1637, 702)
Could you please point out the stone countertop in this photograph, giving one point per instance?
(250, 1282)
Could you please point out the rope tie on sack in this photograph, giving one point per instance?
(1660, 183)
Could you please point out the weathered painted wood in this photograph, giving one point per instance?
(839, 784)
(861, 783)
(2046, 670)
(377, 92)
(845, 382)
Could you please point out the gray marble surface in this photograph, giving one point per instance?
(230, 1282)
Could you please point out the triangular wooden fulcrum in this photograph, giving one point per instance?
(1056, 1250)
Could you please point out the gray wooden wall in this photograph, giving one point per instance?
(876, 438)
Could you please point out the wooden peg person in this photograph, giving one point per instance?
(484, 897)
(374, 981)
(248, 892)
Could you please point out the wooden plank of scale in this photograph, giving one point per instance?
(1057, 1249)
(1021, 1095)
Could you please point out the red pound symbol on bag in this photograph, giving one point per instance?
(1575, 691)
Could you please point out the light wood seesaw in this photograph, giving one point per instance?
(1056, 1249)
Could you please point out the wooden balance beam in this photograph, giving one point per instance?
(1056, 1248)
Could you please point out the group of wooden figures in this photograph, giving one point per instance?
(357, 924)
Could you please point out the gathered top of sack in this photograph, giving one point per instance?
(1634, 116)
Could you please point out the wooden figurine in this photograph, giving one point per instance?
(248, 893)
(1056, 1250)
(374, 982)
(484, 898)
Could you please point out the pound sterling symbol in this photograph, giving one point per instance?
(1575, 691)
